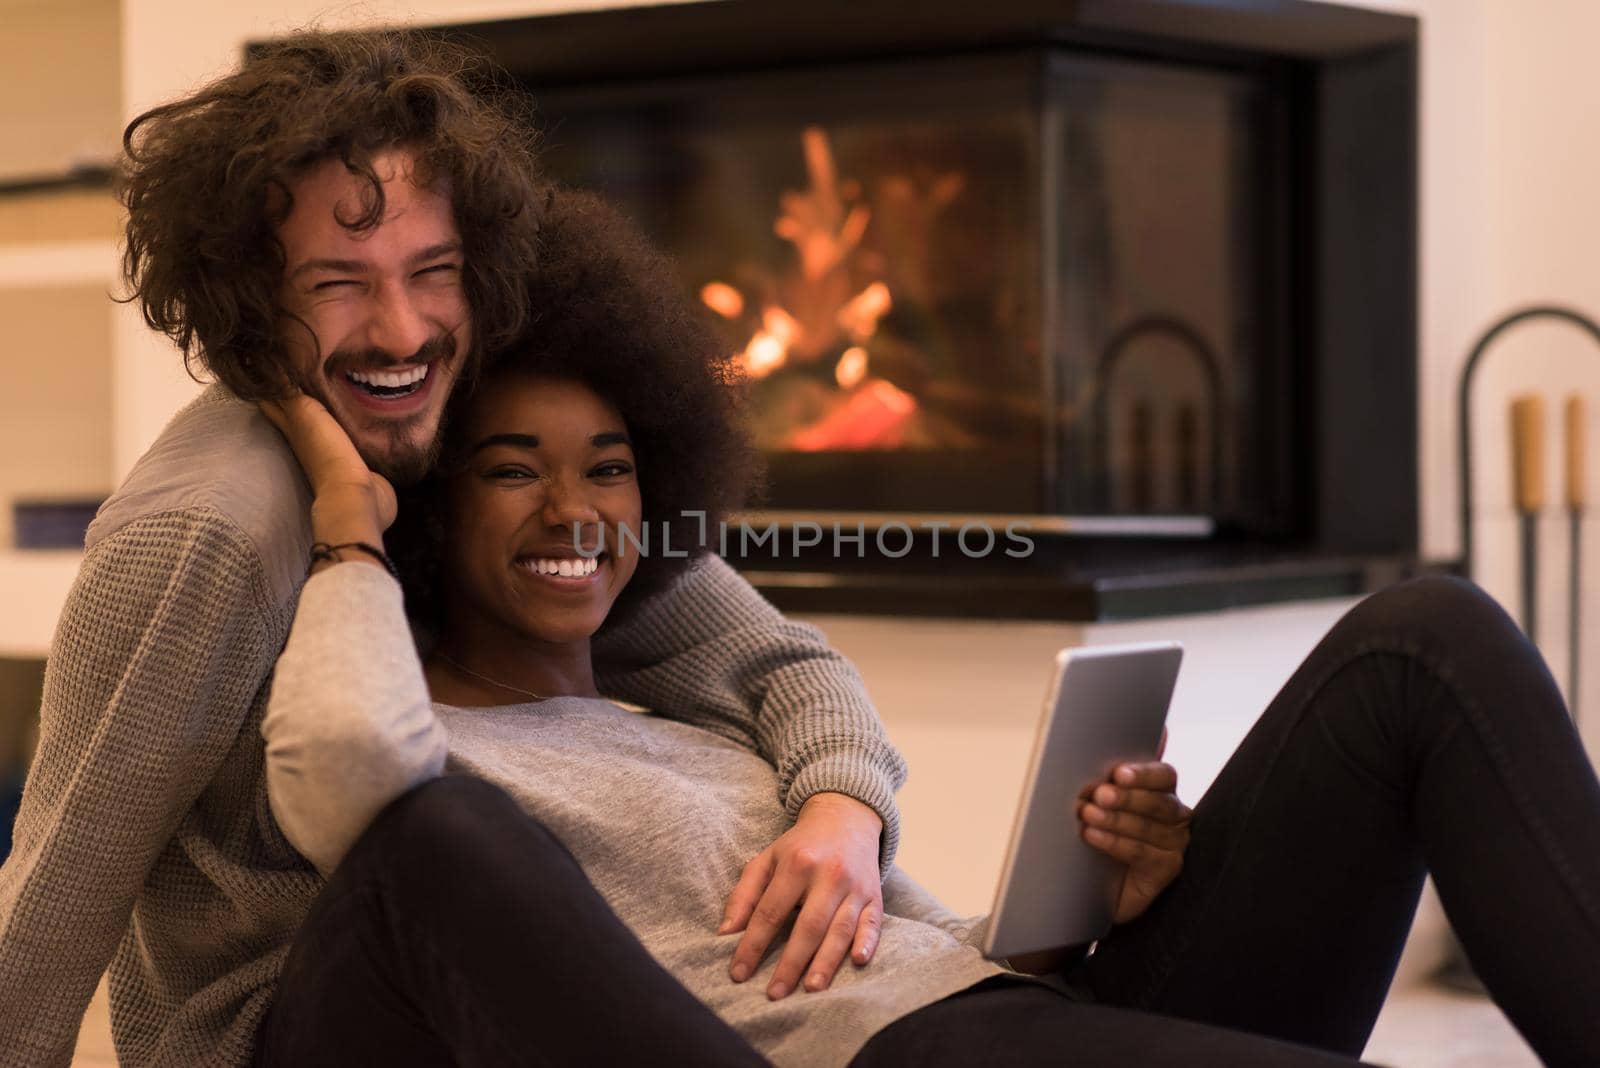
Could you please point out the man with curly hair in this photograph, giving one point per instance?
(353, 216)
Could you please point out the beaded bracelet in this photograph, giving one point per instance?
(321, 551)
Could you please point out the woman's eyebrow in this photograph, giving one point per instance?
(525, 441)
(531, 441)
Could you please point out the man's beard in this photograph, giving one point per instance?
(403, 462)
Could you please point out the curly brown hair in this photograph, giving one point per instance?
(206, 181)
(613, 316)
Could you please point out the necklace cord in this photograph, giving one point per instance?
(459, 666)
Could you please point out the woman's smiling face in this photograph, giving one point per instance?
(548, 463)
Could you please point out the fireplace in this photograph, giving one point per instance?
(1138, 274)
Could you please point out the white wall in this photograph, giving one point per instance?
(1510, 166)
(59, 69)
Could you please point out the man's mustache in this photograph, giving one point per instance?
(439, 347)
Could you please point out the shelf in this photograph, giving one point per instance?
(1082, 594)
(59, 263)
(34, 584)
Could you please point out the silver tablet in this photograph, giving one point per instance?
(1106, 705)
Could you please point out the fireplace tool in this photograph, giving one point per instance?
(1464, 432)
(1527, 479)
(1456, 971)
(1200, 352)
(1575, 500)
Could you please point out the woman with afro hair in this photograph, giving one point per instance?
(522, 872)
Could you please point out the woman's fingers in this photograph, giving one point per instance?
(321, 445)
(1157, 804)
(275, 415)
(349, 496)
(1141, 828)
(385, 501)
(1134, 852)
(1153, 775)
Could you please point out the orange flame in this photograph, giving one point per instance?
(852, 367)
(723, 299)
(859, 316)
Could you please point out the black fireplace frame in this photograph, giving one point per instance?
(1349, 313)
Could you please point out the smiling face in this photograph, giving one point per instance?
(546, 458)
(385, 316)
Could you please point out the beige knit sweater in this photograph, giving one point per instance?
(146, 838)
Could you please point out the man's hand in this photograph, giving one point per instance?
(1136, 817)
(351, 502)
(827, 863)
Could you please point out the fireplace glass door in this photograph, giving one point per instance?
(1023, 284)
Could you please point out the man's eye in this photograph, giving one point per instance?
(333, 283)
(440, 270)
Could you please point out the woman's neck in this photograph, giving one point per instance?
(471, 668)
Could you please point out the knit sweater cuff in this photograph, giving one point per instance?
(854, 776)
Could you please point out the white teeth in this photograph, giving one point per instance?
(565, 567)
(390, 379)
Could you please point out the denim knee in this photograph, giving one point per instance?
(1461, 638)
(1439, 612)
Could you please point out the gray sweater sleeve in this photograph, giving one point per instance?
(349, 726)
(713, 652)
(158, 655)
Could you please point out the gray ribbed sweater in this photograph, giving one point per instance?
(662, 815)
(146, 838)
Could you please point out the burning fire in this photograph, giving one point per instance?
(723, 299)
(769, 349)
(851, 368)
(820, 308)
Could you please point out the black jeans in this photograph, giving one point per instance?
(458, 931)
(1423, 734)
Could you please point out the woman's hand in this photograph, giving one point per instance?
(827, 863)
(1136, 817)
(350, 502)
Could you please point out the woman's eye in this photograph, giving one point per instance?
(512, 474)
(439, 270)
(614, 469)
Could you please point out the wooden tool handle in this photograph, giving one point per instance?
(1527, 453)
(1575, 439)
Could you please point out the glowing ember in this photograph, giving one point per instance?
(723, 299)
(764, 355)
(780, 324)
(874, 417)
(859, 318)
(852, 367)
(825, 310)
(823, 231)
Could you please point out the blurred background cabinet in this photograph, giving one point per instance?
(61, 110)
